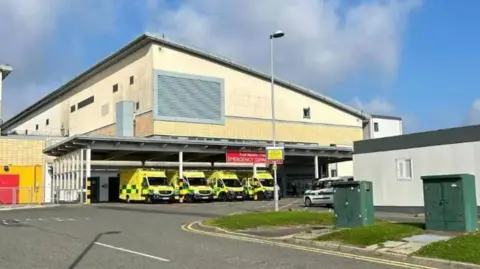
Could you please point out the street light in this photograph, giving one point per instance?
(277, 34)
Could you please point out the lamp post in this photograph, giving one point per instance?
(277, 34)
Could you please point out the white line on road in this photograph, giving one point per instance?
(132, 252)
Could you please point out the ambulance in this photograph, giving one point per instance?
(147, 186)
(192, 187)
(226, 185)
(260, 187)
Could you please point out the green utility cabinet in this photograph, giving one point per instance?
(353, 204)
(450, 202)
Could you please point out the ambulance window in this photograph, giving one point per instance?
(145, 182)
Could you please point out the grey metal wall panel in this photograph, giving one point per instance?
(188, 98)
(417, 140)
(124, 118)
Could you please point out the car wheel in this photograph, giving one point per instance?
(308, 202)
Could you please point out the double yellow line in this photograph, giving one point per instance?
(237, 236)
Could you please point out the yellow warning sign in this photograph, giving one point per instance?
(275, 154)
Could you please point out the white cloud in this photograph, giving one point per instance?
(473, 116)
(326, 41)
(376, 105)
(31, 29)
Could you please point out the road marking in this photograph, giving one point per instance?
(132, 252)
(189, 228)
(287, 205)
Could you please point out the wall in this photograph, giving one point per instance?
(248, 107)
(143, 126)
(102, 111)
(386, 127)
(31, 184)
(236, 128)
(380, 168)
(22, 150)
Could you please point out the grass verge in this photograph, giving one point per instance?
(375, 234)
(464, 248)
(271, 219)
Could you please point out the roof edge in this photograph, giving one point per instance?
(386, 117)
(148, 38)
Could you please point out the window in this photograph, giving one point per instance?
(115, 88)
(333, 172)
(375, 126)
(404, 169)
(73, 108)
(137, 106)
(36, 127)
(306, 113)
(85, 102)
(132, 80)
(47, 122)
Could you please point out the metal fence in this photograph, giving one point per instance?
(68, 196)
(21, 196)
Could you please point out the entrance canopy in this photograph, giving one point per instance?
(155, 149)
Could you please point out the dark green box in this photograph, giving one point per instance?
(353, 204)
(450, 202)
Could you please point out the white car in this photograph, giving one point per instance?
(321, 192)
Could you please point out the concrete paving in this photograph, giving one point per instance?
(147, 236)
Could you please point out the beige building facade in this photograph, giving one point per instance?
(144, 70)
(154, 87)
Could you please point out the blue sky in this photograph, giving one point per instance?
(411, 58)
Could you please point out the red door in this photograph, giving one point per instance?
(9, 189)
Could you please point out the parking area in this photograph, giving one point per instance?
(143, 236)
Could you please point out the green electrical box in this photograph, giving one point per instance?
(450, 202)
(353, 204)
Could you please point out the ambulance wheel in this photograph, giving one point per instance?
(148, 199)
(189, 199)
(260, 196)
(222, 197)
(128, 199)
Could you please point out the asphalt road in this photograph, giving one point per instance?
(146, 236)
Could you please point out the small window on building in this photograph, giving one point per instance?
(86, 102)
(404, 169)
(375, 126)
(47, 122)
(132, 80)
(333, 172)
(115, 88)
(137, 106)
(306, 113)
(36, 127)
(72, 108)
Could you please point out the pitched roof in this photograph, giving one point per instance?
(148, 38)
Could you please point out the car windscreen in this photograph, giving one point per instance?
(197, 181)
(232, 183)
(157, 181)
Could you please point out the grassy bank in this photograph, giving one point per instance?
(271, 219)
(375, 234)
(465, 248)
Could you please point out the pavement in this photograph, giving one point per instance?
(155, 236)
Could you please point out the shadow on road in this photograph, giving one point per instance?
(87, 249)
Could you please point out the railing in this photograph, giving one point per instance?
(21, 196)
(68, 196)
